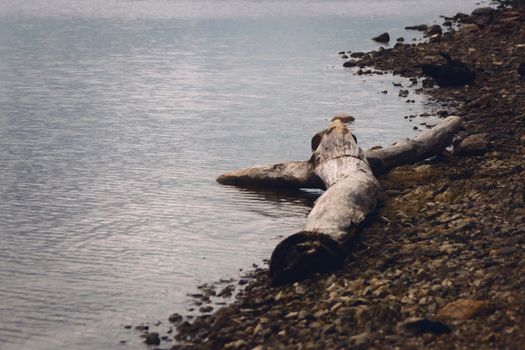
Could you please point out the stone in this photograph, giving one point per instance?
(433, 30)
(483, 11)
(206, 309)
(475, 144)
(343, 117)
(470, 28)
(418, 325)
(382, 38)
(481, 101)
(350, 64)
(454, 73)
(152, 338)
(236, 344)
(226, 292)
(175, 318)
(361, 339)
(464, 309)
(420, 27)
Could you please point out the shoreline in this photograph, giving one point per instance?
(448, 234)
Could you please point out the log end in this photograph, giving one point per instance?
(303, 254)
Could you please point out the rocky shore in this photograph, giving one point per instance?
(441, 263)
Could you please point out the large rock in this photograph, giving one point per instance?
(350, 64)
(418, 325)
(475, 144)
(464, 309)
(483, 11)
(382, 38)
(152, 339)
(452, 74)
(433, 30)
(343, 117)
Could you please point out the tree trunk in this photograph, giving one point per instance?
(347, 173)
(352, 192)
(301, 174)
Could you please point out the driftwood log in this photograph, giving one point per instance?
(347, 173)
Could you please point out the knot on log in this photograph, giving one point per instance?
(303, 254)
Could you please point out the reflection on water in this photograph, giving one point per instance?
(115, 118)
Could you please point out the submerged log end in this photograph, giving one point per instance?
(294, 174)
(303, 254)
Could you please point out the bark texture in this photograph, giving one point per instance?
(348, 175)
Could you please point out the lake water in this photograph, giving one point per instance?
(116, 116)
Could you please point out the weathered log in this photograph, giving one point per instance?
(425, 145)
(294, 174)
(340, 166)
(301, 174)
(352, 192)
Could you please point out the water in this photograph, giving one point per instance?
(115, 118)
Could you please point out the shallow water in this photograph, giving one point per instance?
(116, 117)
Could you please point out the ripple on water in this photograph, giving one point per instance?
(116, 117)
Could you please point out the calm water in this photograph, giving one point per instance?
(115, 118)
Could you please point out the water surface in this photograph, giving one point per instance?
(116, 117)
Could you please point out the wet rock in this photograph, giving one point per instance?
(175, 318)
(152, 338)
(382, 38)
(460, 16)
(350, 64)
(400, 39)
(452, 74)
(357, 54)
(343, 117)
(206, 309)
(476, 144)
(483, 11)
(418, 325)
(464, 309)
(419, 27)
(428, 83)
(226, 292)
(433, 30)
